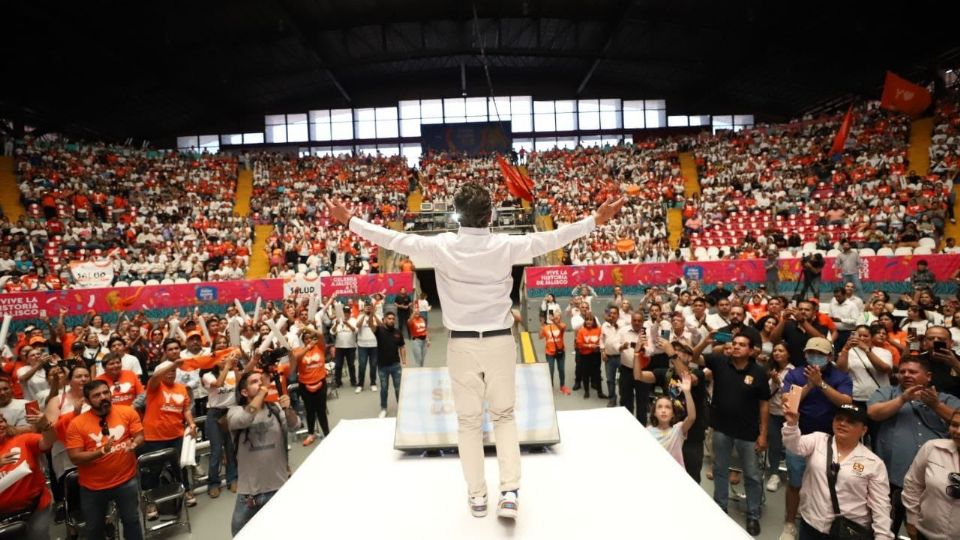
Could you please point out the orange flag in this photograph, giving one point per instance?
(515, 184)
(841, 138)
(902, 95)
(207, 362)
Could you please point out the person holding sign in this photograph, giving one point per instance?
(473, 268)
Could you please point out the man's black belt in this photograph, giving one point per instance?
(475, 334)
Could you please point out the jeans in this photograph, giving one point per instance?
(364, 354)
(418, 350)
(723, 446)
(220, 445)
(392, 370)
(775, 443)
(38, 524)
(558, 360)
(631, 393)
(693, 458)
(348, 354)
(402, 317)
(246, 507)
(612, 366)
(93, 504)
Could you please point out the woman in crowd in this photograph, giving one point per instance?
(24, 492)
(859, 476)
(766, 325)
(62, 408)
(588, 354)
(867, 363)
(779, 366)
(310, 364)
(665, 430)
(548, 307)
(551, 334)
(931, 489)
(220, 384)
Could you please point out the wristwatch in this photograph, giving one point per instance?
(824, 385)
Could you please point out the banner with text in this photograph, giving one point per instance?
(388, 284)
(876, 269)
(88, 274)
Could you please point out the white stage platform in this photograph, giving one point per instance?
(607, 479)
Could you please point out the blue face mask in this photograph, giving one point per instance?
(817, 359)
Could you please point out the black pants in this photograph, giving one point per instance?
(315, 404)
(630, 391)
(402, 317)
(350, 355)
(588, 367)
(897, 511)
(811, 284)
(693, 458)
(808, 531)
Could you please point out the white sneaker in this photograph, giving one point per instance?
(478, 505)
(383, 413)
(789, 532)
(508, 506)
(773, 484)
(358, 389)
(373, 388)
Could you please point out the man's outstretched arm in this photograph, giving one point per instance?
(536, 244)
(407, 244)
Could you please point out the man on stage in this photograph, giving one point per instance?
(473, 269)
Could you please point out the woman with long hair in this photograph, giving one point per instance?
(588, 354)
(778, 367)
(668, 432)
(220, 384)
(310, 364)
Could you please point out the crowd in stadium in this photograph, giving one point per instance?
(867, 366)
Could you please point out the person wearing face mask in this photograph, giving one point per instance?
(908, 415)
(102, 443)
(824, 389)
(931, 489)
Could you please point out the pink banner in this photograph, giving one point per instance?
(367, 284)
(876, 269)
(29, 305)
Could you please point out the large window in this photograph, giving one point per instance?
(365, 123)
(610, 110)
(253, 138)
(387, 127)
(499, 108)
(341, 125)
(190, 142)
(589, 114)
(521, 114)
(431, 111)
(543, 116)
(476, 108)
(411, 152)
(233, 138)
(320, 126)
(297, 128)
(210, 143)
(276, 128)
(655, 113)
(566, 111)
(454, 110)
(410, 118)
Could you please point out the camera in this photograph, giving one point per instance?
(270, 359)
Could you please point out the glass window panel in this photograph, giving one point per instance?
(477, 108)
(233, 138)
(566, 121)
(386, 122)
(276, 133)
(499, 105)
(296, 127)
(431, 111)
(389, 150)
(543, 107)
(567, 142)
(410, 109)
(628, 139)
(545, 144)
(633, 114)
(253, 138)
(367, 150)
(565, 106)
(610, 119)
(454, 110)
(321, 151)
(275, 119)
(342, 150)
(521, 108)
(341, 124)
(610, 140)
(610, 104)
(186, 143)
(365, 123)
(543, 118)
(411, 152)
(722, 121)
(589, 114)
(320, 125)
(743, 119)
(702, 120)
(657, 104)
(677, 121)
(522, 144)
(410, 127)
(588, 105)
(587, 142)
(655, 118)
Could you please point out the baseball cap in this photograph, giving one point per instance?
(853, 412)
(194, 334)
(819, 344)
(37, 340)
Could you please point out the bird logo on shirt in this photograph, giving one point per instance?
(173, 397)
(123, 388)
(116, 432)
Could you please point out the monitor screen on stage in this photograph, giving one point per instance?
(426, 418)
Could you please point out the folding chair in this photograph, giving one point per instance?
(13, 530)
(201, 472)
(169, 495)
(73, 513)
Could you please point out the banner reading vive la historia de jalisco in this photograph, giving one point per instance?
(30, 305)
(880, 270)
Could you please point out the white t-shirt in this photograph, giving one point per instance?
(15, 413)
(866, 378)
(223, 396)
(34, 385)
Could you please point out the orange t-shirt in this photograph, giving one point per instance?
(417, 327)
(283, 370)
(553, 336)
(164, 417)
(23, 480)
(588, 340)
(125, 389)
(115, 468)
(312, 368)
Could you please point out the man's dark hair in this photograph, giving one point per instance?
(916, 359)
(474, 205)
(168, 341)
(115, 339)
(242, 400)
(90, 386)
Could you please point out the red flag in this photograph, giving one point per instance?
(515, 184)
(842, 133)
(526, 179)
(902, 95)
(207, 362)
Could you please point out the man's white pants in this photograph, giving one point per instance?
(485, 369)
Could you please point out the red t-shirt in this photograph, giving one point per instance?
(23, 482)
(118, 466)
(417, 327)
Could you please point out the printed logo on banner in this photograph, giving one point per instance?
(206, 294)
(693, 272)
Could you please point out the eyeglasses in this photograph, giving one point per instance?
(104, 429)
(953, 488)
